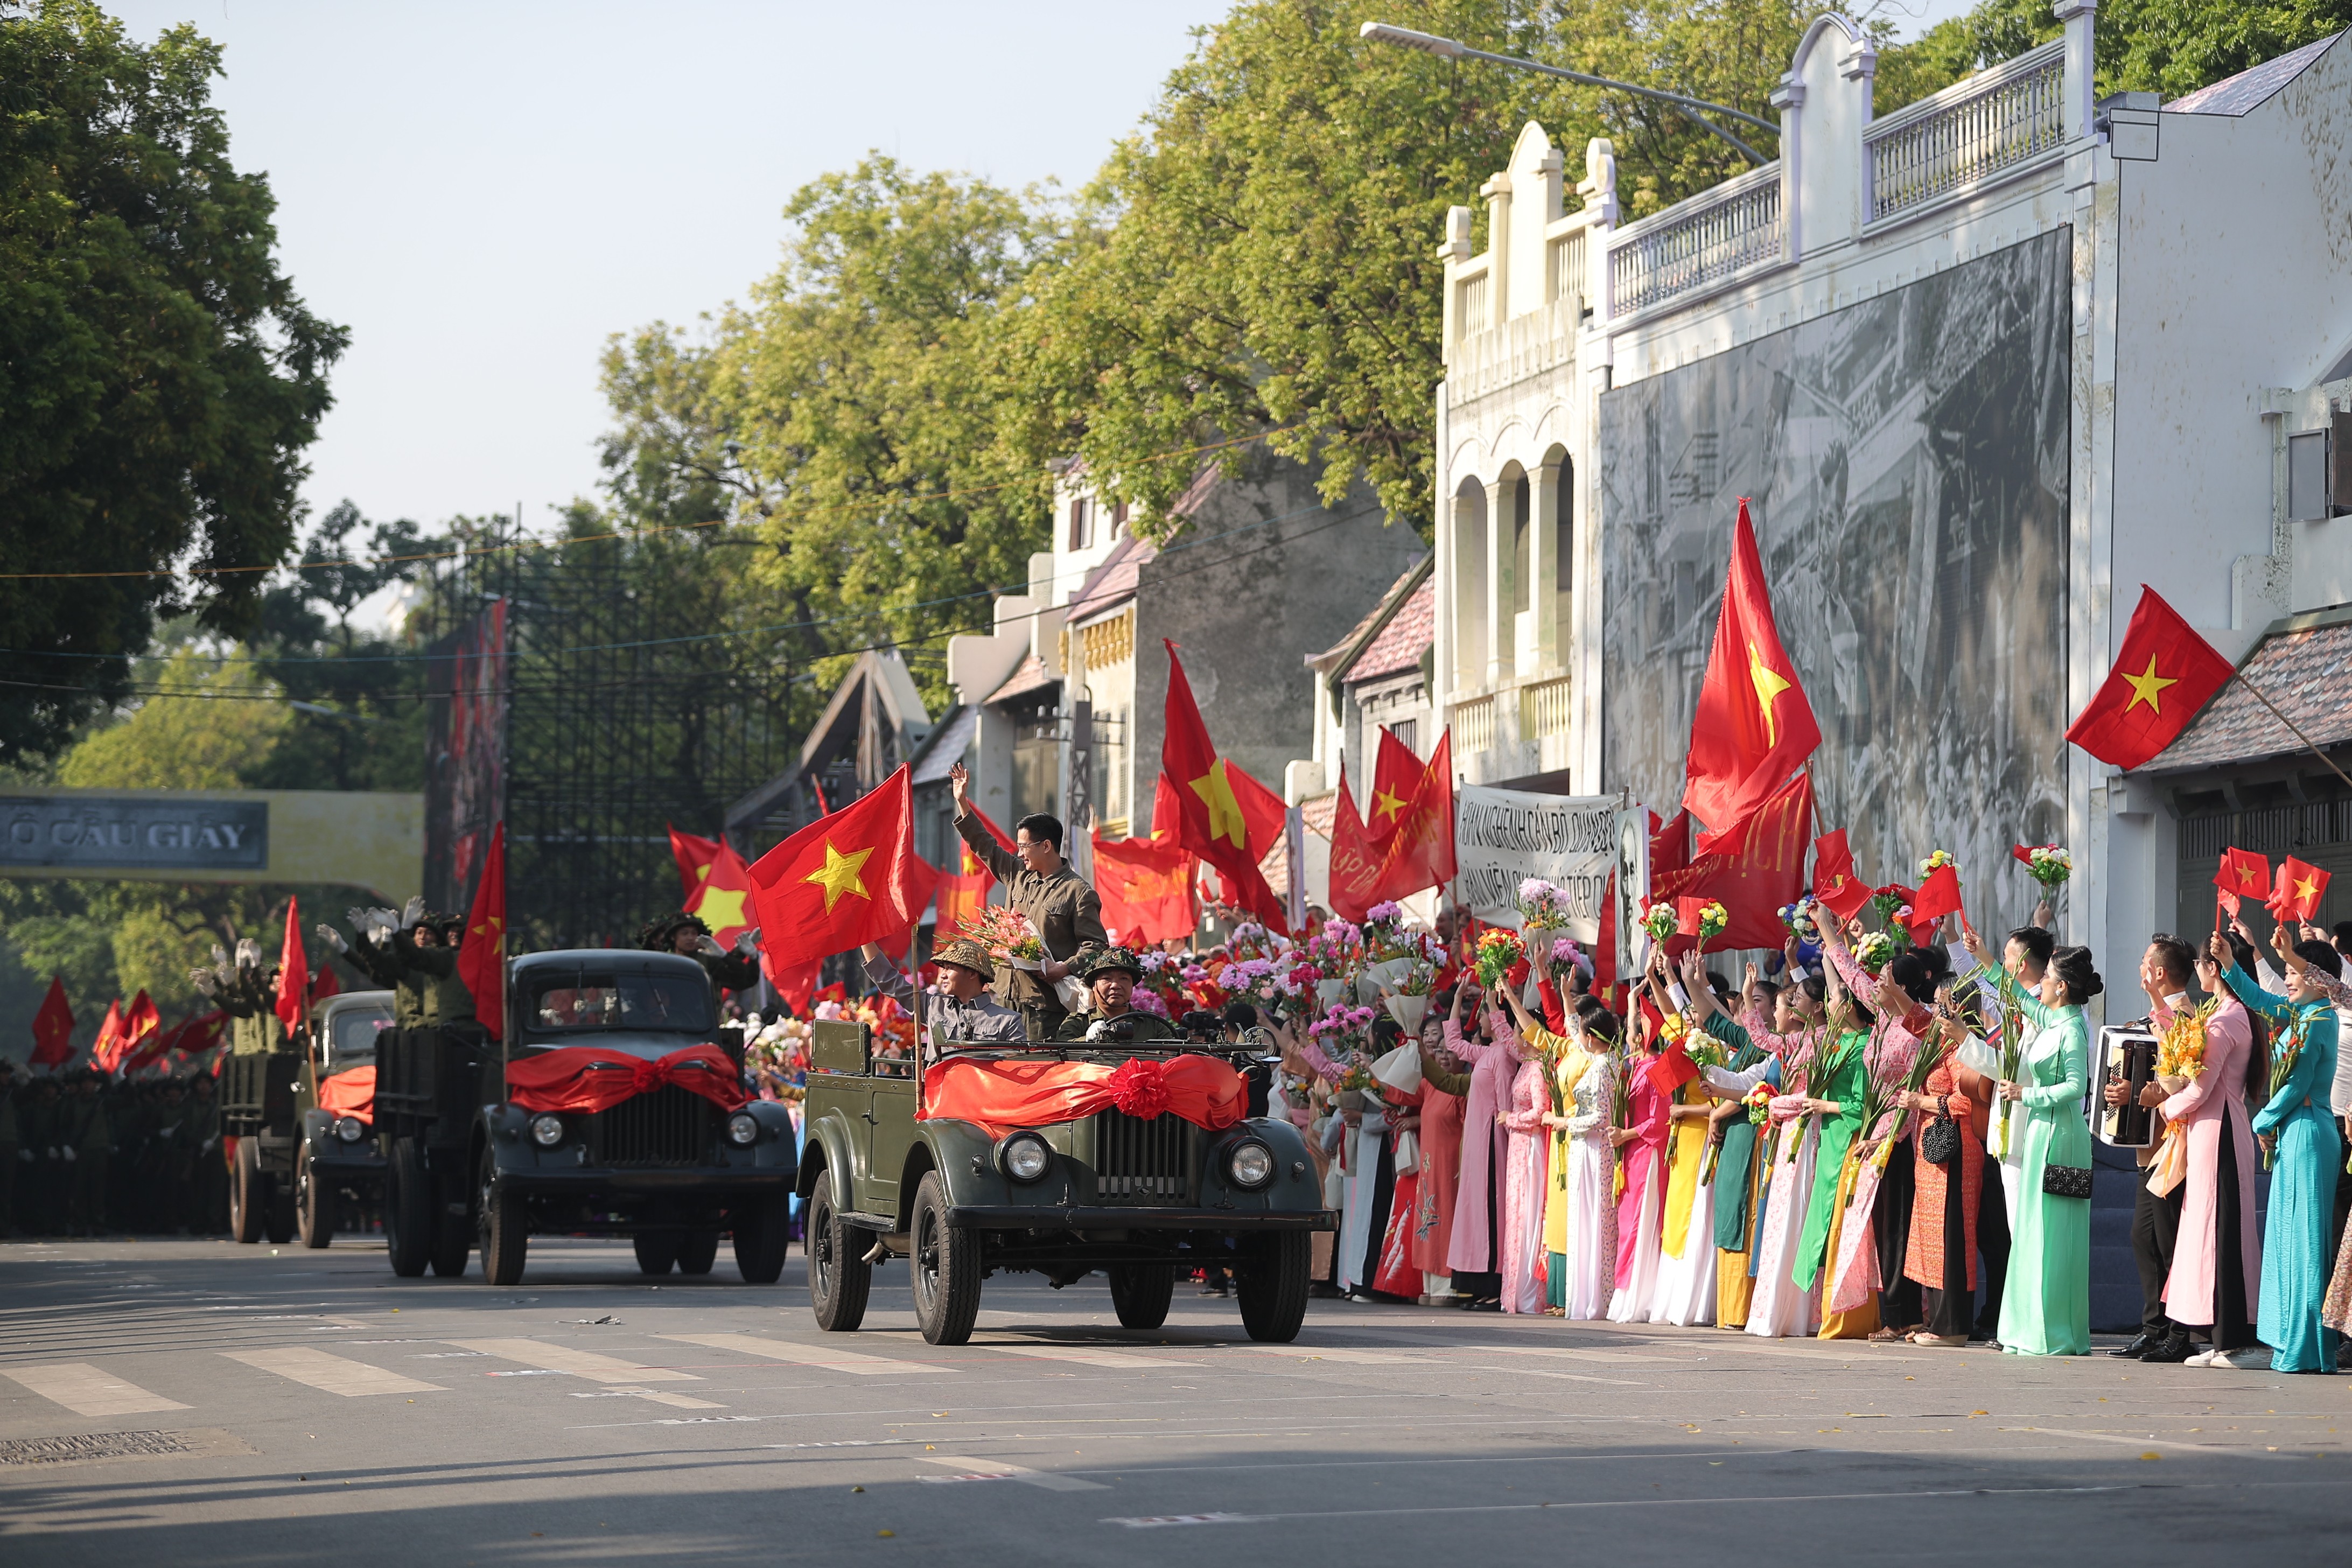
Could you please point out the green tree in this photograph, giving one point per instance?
(2165, 47)
(159, 376)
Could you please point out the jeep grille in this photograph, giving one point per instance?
(1143, 1161)
(671, 1126)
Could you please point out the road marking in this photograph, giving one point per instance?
(1354, 1358)
(1571, 1352)
(1084, 1357)
(1563, 1376)
(578, 1363)
(997, 1469)
(1161, 1522)
(85, 1391)
(802, 1355)
(678, 1401)
(336, 1374)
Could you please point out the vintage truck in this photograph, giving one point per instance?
(336, 1161)
(1138, 1198)
(473, 1162)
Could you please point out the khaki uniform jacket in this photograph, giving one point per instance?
(1148, 1027)
(446, 999)
(1065, 909)
(250, 999)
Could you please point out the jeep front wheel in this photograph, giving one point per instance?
(505, 1227)
(1140, 1293)
(763, 1235)
(1272, 1287)
(314, 1203)
(248, 1192)
(946, 1265)
(839, 1276)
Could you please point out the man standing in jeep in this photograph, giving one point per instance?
(1058, 904)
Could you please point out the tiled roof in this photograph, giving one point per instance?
(1033, 676)
(2247, 91)
(1402, 642)
(1348, 649)
(2306, 670)
(946, 746)
(1319, 812)
(1114, 581)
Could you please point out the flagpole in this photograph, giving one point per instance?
(2240, 677)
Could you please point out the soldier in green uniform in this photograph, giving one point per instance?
(1059, 905)
(247, 993)
(370, 952)
(427, 945)
(1111, 977)
(207, 1194)
(730, 969)
(39, 1163)
(84, 1141)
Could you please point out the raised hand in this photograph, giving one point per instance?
(412, 911)
(333, 939)
(748, 941)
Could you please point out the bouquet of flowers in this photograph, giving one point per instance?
(1543, 906)
(2049, 865)
(1386, 936)
(1873, 950)
(1757, 1103)
(1799, 918)
(1007, 934)
(1661, 921)
(2181, 1051)
(1499, 950)
(1936, 862)
(1712, 920)
(894, 1029)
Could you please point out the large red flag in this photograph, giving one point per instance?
(482, 953)
(694, 856)
(1167, 811)
(2242, 874)
(1604, 950)
(1421, 854)
(1753, 726)
(107, 1049)
(1396, 775)
(1835, 883)
(1670, 845)
(724, 898)
(1752, 885)
(142, 1033)
(2163, 675)
(293, 972)
(53, 1026)
(964, 890)
(849, 877)
(1227, 818)
(1146, 889)
(1355, 862)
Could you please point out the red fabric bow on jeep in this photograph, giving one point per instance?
(585, 1078)
(1000, 1096)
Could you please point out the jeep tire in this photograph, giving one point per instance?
(763, 1235)
(839, 1277)
(696, 1250)
(657, 1252)
(1272, 1286)
(505, 1227)
(407, 1209)
(1139, 1292)
(453, 1225)
(945, 1263)
(248, 1192)
(314, 1203)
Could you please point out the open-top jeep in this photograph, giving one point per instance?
(337, 1160)
(1136, 1197)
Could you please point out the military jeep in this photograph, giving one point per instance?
(1138, 1199)
(336, 1161)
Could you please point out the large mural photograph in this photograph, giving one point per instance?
(1906, 465)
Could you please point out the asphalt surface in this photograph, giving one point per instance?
(187, 1402)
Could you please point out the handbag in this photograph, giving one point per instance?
(2066, 1181)
(1939, 1141)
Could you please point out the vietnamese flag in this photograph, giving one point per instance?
(1395, 775)
(482, 951)
(694, 856)
(2242, 874)
(1355, 861)
(1421, 854)
(2163, 675)
(849, 877)
(963, 892)
(1753, 726)
(1146, 889)
(53, 1026)
(724, 898)
(1167, 811)
(293, 972)
(142, 1033)
(108, 1047)
(2300, 888)
(1224, 816)
(1766, 874)
(1837, 888)
(1939, 895)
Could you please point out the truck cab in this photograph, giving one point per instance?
(338, 1161)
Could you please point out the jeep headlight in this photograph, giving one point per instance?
(547, 1130)
(1024, 1157)
(1249, 1165)
(742, 1130)
(350, 1129)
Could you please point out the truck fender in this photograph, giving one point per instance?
(826, 1147)
(965, 1157)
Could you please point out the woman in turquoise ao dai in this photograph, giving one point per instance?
(2299, 1137)
(2046, 1303)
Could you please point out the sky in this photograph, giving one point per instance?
(485, 193)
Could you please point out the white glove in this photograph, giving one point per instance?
(333, 939)
(708, 945)
(359, 919)
(747, 942)
(248, 953)
(203, 980)
(220, 956)
(1099, 1029)
(412, 911)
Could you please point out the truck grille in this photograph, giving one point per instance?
(1143, 1161)
(671, 1126)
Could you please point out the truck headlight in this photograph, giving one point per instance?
(350, 1129)
(547, 1130)
(742, 1130)
(1249, 1165)
(1024, 1157)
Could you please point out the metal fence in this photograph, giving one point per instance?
(1698, 243)
(2006, 117)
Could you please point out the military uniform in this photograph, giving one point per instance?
(446, 999)
(250, 1000)
(1060, 906)
(411, 991)
(980, 1020)
(1144, 1026)
(84, 1141)
(729, 970)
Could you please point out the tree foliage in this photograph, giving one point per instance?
(159, 376)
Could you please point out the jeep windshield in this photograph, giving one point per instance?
(577, 1001)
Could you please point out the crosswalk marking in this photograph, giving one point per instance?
(336, 1374)
(85, 1391)
(1045, 1478)
(578, 1363)
(803, 1355)
(1359, 1357)
(1084, 1357)
(676, 1401)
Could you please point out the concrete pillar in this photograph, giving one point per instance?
(1544, 560)
(1500, 594)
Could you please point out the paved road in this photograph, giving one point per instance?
(222, 1393)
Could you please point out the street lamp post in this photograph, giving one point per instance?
(1454, 49)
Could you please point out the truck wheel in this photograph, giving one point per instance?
(248, 1192)
(505, 1227)
(453, 1226)
(1272, 1287)
(657, 1255)
(696, 1250)
(278, 1209)
(946, 1268)
(407, 1209)
(839, 1276)
(1139, 1292)
(314, 1204)
(763, 1235)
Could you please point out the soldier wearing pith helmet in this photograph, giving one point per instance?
(1111, 977)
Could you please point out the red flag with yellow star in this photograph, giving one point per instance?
(1396, 775)
(1355, 860)
(2300, 886)
(2242, 874)
(1146, 887)
(850, 877)
(482, 951)
(964, 890)
(1420, 854)
(722, 900)
(694, 856)
(2164, 673)
(1227, 818)
(1753, 726)
(53, 1028)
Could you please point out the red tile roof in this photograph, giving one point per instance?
(1033, 676)
(1402, 642)
(1112, 582)
(2307, 672)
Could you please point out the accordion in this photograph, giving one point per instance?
(2127, 1056)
